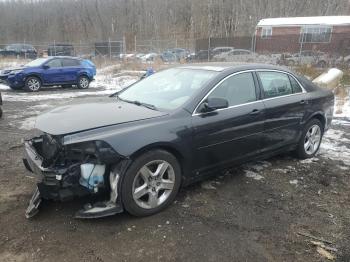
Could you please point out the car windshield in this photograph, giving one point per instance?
(37, 62)
(168, 89)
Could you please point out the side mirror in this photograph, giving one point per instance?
(46, 67)
(213, 104)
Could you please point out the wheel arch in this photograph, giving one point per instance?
(169, 148)
(83, 73)
(319, 116)
(35, 75)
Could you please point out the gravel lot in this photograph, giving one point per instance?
(253, 212)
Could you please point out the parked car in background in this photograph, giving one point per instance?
(307, 57)
(168, 57)
(220, 50)
(180, 53)
(60, 50)
(171, 129)
(19, 50)
(201, 55)
(0, 105)
(150, 57)
(236, 55)
(60, 70)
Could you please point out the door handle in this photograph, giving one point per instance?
(303, 102)
(255, 112)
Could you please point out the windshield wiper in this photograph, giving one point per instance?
(138, 103)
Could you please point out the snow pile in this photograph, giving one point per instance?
(342, 110)
(4, 88)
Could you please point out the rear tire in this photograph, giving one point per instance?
(310, 140)
(145, 193)
(83, 82)
(32, 84)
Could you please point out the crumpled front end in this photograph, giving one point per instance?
(75, 170)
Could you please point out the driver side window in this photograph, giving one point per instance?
(54, 63)
(237, 89)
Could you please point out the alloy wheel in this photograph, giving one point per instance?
(312, 139)
(153, 184)
(33, 84)
(84, 82)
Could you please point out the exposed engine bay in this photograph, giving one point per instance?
(74, 170)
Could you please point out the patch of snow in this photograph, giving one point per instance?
(341, 122)
(114, 84)
(334, 146)
(281, 170)
(4, 87)
(293, 182)
(28, 123)
(253, 175)
(309, 160)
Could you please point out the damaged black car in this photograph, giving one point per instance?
(171, 129)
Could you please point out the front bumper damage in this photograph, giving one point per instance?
(59, 182)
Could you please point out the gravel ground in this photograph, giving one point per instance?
(253, 212)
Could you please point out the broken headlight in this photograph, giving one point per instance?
(98, 151)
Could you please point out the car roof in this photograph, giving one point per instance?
(224, 66)
(70, 57)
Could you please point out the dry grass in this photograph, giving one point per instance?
(308, 71)
(9, 62)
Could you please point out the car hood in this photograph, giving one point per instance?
(8, 70)
(90, 113)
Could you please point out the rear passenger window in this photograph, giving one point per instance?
(275, 84)
(295, 85)
(70, 62)
(237, 89)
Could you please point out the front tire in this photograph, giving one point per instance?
(151, 183)
(32, 84)
(310, 140)
(83, 82)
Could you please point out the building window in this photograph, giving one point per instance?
(318, 34)
(266, 32)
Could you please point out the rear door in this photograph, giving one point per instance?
(71, 69)
(54, 73)
(285, 103)
(230, 134)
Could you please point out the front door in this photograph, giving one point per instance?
(230, 134)
(54, 73)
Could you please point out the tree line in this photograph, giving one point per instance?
(95, 20)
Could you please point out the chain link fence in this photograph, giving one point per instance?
(317, 48)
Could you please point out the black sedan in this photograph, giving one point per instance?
(172, 129)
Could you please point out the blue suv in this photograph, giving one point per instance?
(63, 71)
